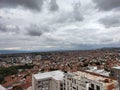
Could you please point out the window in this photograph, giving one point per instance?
(98, 87)
(92, 86)
(74, 88)
(67, 83)
(39, 81)
(75, 81)
(77, 87)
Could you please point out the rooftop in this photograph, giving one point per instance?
(58, 75)
(93, 76)
(99, 71)
(116, 67)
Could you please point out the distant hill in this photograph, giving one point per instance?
(111, 48)
(33, 51)
(12, 51)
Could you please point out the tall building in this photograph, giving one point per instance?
(83, 80)
(48, 81)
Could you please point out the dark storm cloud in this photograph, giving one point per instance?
(35, 30)
(110, 21)
(106, 40)
(53, 5)
(71, 16)
(30, 4)
(58, 24)
(107, 5)
(6, 28)
(34, 33)
(77, 15)
(3, 28)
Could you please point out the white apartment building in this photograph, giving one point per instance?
(83, 80)
(48, 81)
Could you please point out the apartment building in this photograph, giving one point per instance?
(83, 80)
(48, 81)
(115, 73)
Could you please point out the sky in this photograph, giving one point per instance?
(59, 24)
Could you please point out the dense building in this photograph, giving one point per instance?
(48, 81)
(83, 80)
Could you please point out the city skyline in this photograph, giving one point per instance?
(59, 24)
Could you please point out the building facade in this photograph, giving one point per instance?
(48, 81)
(80, 80)
(115, 73)
(83, 80)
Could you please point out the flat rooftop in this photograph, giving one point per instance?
(117, 67)
(95, 77)
(58, 75)
(99, 71)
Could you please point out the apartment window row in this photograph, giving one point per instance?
(43, 82)
(43, 89)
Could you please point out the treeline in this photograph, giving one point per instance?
(6, 71)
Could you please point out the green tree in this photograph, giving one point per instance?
(1, 78)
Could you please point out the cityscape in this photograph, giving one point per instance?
(59, 44)
(77, 70)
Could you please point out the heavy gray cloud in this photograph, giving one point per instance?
(110, 21)
(107, 5)
(74, 15)
(77, 13)
(29, 4)
(57, 25)
(53, 5)
(107, 40)
(35, 30)
(4, 28)
(34, 33)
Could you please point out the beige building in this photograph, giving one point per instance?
(48, 81)
(83, 80)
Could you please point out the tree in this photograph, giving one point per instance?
(1, 78)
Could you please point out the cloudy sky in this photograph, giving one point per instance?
(59, 24)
